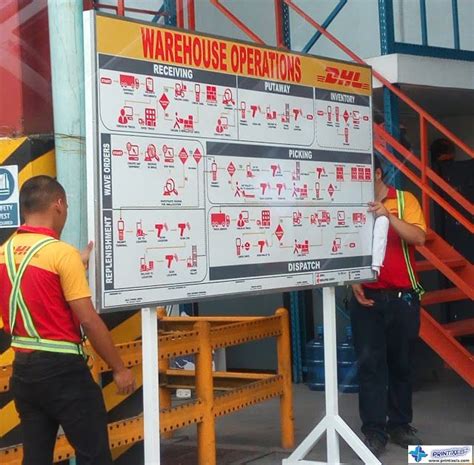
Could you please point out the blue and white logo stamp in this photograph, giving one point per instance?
(439, 454)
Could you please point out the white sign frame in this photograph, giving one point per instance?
(303, 272)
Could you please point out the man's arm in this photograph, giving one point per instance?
(410, 233)
(99, 336)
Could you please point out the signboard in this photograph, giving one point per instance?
(9, 197)
(220, 167)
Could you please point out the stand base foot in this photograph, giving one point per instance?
(329, 424)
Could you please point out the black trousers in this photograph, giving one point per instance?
(384, 337)
(52, 390)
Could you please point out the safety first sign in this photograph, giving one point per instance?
(221, 167)
(9, 197)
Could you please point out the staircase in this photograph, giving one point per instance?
(437, 253)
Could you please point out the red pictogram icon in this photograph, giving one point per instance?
(197, 155)
(159, 229)
(128, 80)
(180, 89)
(133, 151)
(151, 153)
(339, 173)
(341, 218)
(231, 168)
(264, 220)
(243, 219)
(211, 94)
(220, 220)
(331, 190)
(354, 174)
(144, 266)
(345, 115)
(121, 229)
(183, 155)
(164, 101)
(279, 232)
(150, 117)
(126, 115)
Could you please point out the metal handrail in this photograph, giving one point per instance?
(426, 172)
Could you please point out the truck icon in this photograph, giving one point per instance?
(220, 220)
(128, 80)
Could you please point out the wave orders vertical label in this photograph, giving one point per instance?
(106, 170)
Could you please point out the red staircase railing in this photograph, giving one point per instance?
(438, 253)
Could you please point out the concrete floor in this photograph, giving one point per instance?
(444, 415)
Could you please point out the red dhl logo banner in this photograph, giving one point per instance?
(135, 40)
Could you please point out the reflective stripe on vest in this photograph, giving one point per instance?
(33, 341)
(411, 273)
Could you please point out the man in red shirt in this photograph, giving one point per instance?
(44, 302)
(385, 317)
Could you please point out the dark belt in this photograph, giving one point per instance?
(389, 293)
(23, 357)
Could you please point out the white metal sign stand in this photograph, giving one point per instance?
(151, 400)
(332, 423)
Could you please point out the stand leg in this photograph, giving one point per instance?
(330, 372)
(332, 423)
(151, 403)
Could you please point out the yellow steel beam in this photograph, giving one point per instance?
(223, 380)
(239, 333)
(246, 396)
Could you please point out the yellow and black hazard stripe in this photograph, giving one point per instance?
(35, 156)
(32, 155)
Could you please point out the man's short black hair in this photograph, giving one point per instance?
(378, 164)
(38, 193)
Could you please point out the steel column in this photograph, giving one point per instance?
(454, 7)
(151, 400)
(424, 25)
(297, 362)
(325, 24)
(170, 10)
(386, 23)
(67, 73)
(392, 126)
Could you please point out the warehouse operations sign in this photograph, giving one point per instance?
(220, 167)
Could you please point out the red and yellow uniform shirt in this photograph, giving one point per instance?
(394, 273)
(54, 277)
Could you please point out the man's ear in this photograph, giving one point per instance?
(59, 204)
(378, 174)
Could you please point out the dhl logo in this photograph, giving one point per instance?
(342, 77)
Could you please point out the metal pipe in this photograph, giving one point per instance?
(191, 15)
(454, 4)
(331, 17)
(424, 25)
(67, 74)
(121, 7)
(284, 369)
(425, 199)
(206, 429)
(180, 13)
